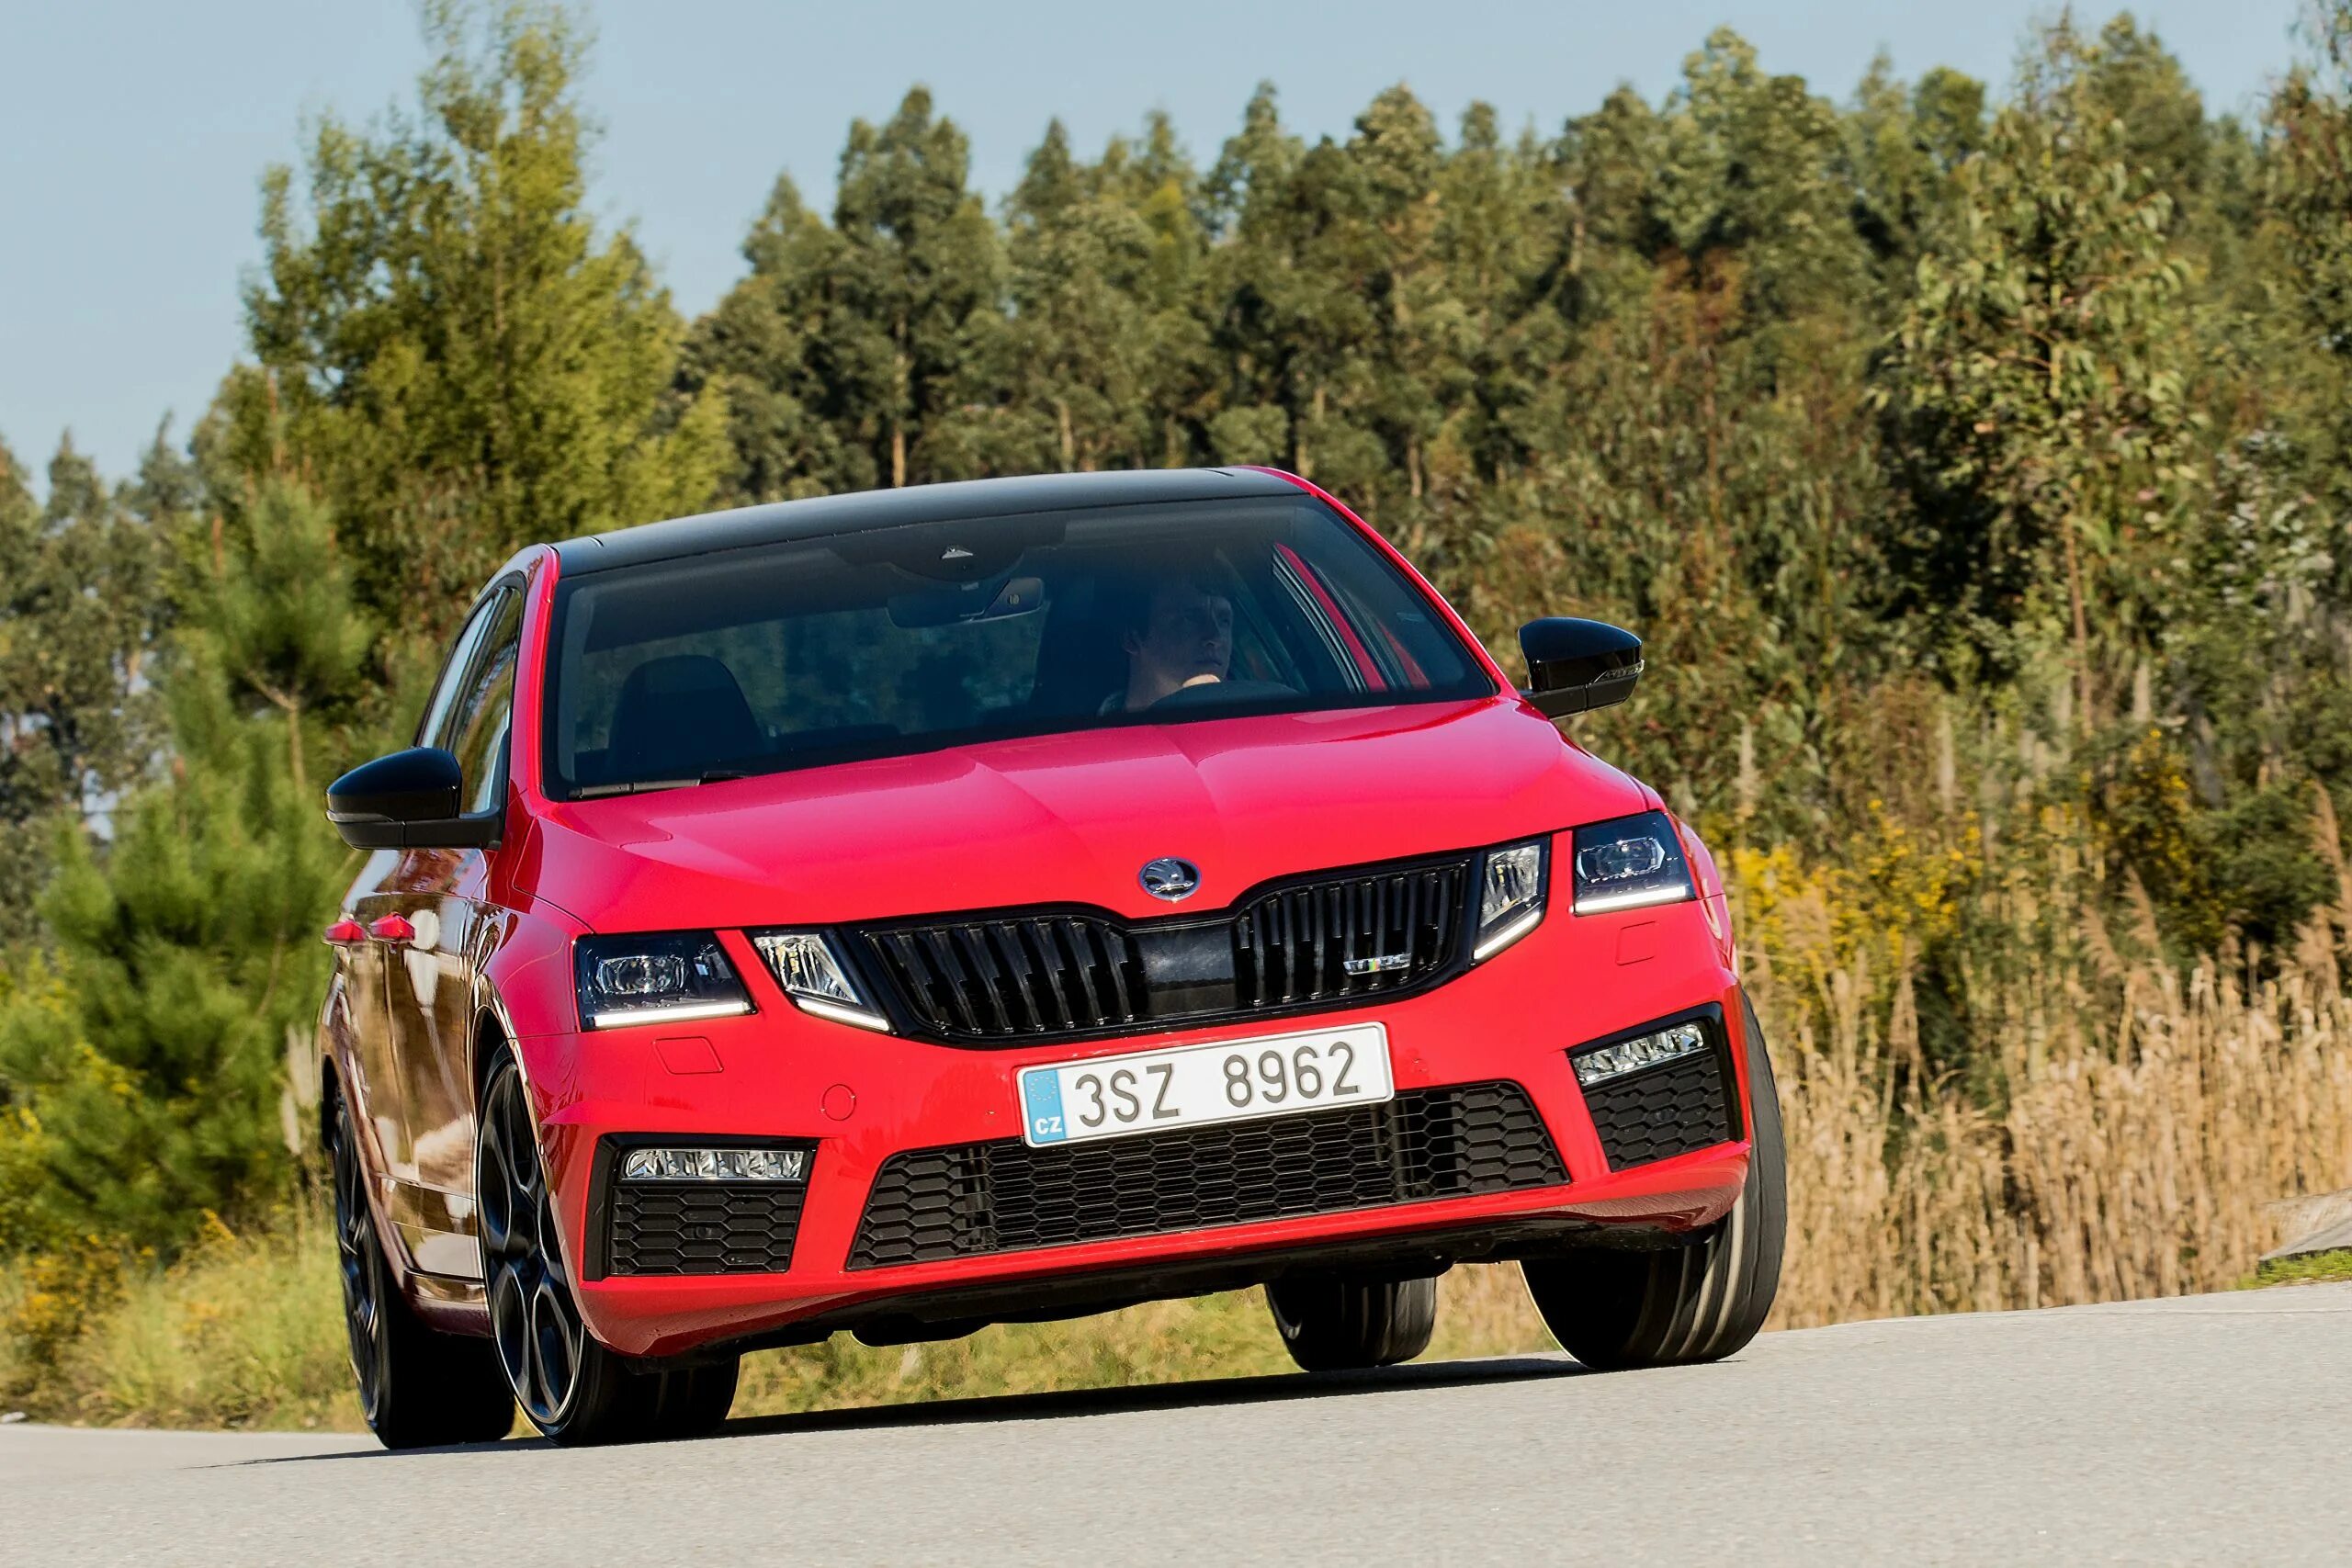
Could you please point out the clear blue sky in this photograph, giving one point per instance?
(132, 131)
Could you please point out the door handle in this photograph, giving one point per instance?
(346, 932)
(392, 928)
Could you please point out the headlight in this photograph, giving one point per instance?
(814, 977)
(672, 978)
(1510, 896)
(1625, 864)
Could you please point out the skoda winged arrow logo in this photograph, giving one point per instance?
(1169, 878)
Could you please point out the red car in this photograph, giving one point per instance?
(901, 912)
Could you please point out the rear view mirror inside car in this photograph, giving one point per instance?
(970, 602)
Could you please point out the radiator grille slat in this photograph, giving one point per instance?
(1004, 1196)
(1017, 976)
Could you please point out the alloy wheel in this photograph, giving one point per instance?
(542, 1342)
(363, 1296)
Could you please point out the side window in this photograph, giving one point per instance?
(477, 721)
(435, 729)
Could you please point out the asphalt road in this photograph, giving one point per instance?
(2211, 1429)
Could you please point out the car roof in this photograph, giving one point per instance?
(821, 515)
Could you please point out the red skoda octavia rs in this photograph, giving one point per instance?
(901, 912)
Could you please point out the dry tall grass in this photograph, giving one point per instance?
(2138, 1119)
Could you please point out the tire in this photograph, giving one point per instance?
(571, 1387)
(1331, 1324)
(418, 1387)
(1615, 1310)
(691, 1402)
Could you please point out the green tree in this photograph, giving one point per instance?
(2038, 386)
(190, 944)
(756, 349)
(1902, 148)
(446, 342)
(2307, 191)
(911, 289)
(80, 608)
(869, 350)
(1106, 347)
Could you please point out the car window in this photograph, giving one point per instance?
(478, 718)
(930, 635)
(434, 729)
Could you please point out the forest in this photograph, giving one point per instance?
(1975, 459)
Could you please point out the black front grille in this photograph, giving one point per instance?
(1007, 1197)
(1661, 1111)
(1023, 974)
(696, 1228)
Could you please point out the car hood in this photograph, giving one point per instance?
(1070, 819)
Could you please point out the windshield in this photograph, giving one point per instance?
(939, 634)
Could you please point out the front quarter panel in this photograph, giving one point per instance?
(1714, 901)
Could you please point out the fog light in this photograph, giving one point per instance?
(714, 1165)
(1643, 1051)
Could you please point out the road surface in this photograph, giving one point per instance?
(2206, 1429)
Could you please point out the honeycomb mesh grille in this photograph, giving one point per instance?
(1662, 1112)
(1007, 1197)
(692, 1228)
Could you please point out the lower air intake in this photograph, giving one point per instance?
(1007, 1197)
(1661, 1111)
(704, 1228)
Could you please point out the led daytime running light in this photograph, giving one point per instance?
(1512, 883)
(1488, 946)
(811, 973)
(677, 1012)
(857, 1018)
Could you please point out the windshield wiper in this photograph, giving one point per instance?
(646, 786)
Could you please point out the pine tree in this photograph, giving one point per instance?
(191, 942)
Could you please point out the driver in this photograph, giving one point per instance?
(1183, 636)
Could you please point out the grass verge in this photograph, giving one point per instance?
(2316, 1268)
(246, 1332)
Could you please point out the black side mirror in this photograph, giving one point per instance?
(408, 800)
(1575, 666)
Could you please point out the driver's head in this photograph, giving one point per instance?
(1181, 635)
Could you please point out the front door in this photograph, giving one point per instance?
(436, 923)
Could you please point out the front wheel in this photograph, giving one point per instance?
(1331, 1324)
(1615, 1310)
(574, 1389)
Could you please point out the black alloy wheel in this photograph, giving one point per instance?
(574, 1389)
(418, 1387)
(1333, 1324)
(1616, 1310)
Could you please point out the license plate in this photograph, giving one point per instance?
(1195, 1086)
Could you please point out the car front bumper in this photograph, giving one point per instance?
(857, 1098)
